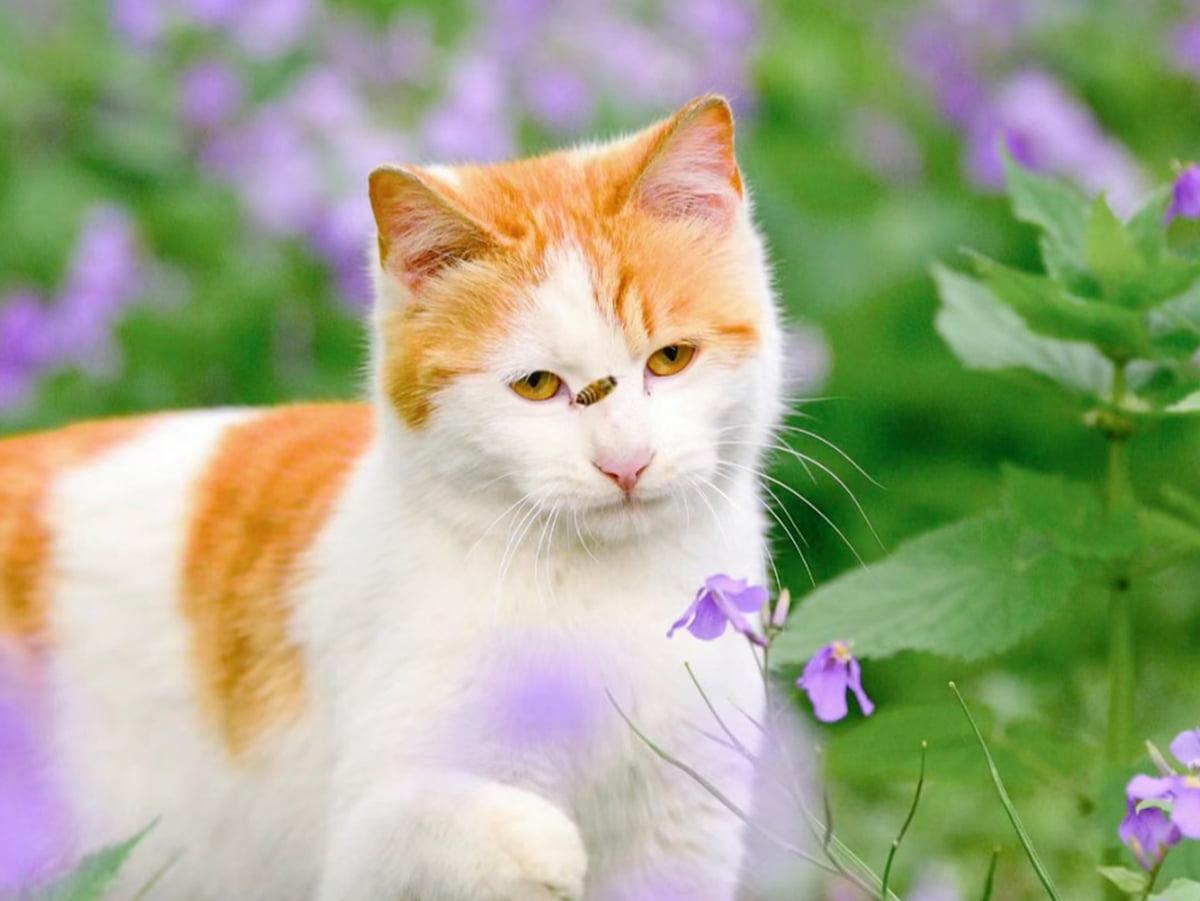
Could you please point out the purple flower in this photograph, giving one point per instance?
(722, 602)
(1185, 47)
(1186, 748)
(1185, 196)
(140, 22)
(35, 840)
(1047, 128)
(832, 670)
(209, 94)
(1147, 831)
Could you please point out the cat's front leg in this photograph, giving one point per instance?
(441, 837)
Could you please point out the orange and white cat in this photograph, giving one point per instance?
(376, 651)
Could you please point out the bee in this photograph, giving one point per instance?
(596, 391)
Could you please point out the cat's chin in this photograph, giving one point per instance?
(626, 517)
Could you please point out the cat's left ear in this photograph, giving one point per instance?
(690, 171)
(422, 229)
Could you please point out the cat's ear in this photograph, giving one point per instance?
(690, 171)
(422, 230)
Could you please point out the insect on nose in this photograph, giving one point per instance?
(625, 470)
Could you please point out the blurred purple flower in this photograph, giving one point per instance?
(23, 340)
(35, 833)
(139, 22)
(558, 98)
(544, 697)
(218, 14)
(723, 601)
(827, 676)
(210, 94)
(1048, 129)
(474, 122)
(1186, 748)
(1185, 47)
(267, 29)
(102, 279)
(1185, 195)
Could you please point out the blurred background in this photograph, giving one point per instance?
(183, 220)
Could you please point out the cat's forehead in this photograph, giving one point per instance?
(567, 322)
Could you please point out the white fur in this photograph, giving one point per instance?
(458, 556)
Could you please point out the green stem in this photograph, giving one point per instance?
(1119, 742)
(1153, 878)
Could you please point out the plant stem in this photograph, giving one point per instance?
(1119, 737)
(1121, 666)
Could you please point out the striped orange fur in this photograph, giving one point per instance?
(29, 464)
(268, 490)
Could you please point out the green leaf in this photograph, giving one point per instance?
(1047, 309)
(1146, 225)
(966, 590)
(1009, 808)
(1054, 206)
(1180, 890)
(1132, 882)
(94, 875)
(1112, 251)
(986, 334)
(1070, 515)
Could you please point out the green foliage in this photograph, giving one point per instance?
(94, 875)
(1132, 882)
(1180, 890)
(967, 590)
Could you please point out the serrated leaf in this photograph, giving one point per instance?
(986, 334)
(1180, 890)
(1054, 206)
(966, 590)
(1111, 250)
(1132, 882)
(1146, 225)
(94, 875)
(1070, 515)
(1050, 311)
(1079, 280)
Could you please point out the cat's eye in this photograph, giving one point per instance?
(671, 359)
(540, 385)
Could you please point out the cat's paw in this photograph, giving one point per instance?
(536, 852)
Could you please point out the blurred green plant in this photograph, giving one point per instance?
(1114, 323)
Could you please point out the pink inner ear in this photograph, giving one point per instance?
(420, 232)
(694, 174)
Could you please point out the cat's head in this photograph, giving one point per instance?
(592, 330)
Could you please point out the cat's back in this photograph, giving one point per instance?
(149, 568)
(209, 489)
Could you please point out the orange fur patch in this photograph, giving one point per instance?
(268, 490)
(29, 465)
(660, 279)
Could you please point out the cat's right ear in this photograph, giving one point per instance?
(422, 231)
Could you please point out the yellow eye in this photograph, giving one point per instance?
(671, 359)
(540, 385)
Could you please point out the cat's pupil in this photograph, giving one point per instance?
(671, 352)
(535, 380)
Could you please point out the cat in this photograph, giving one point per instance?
(386, 650)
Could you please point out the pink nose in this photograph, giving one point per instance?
(625, 470)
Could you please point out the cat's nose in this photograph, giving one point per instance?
(625, 469)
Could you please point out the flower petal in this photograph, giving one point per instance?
(1185, 812)
(752, 599)
(1145, 788)
(709, 622)
(855, 681)
(683, 620)
(1148, 833)
(1186, 748)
